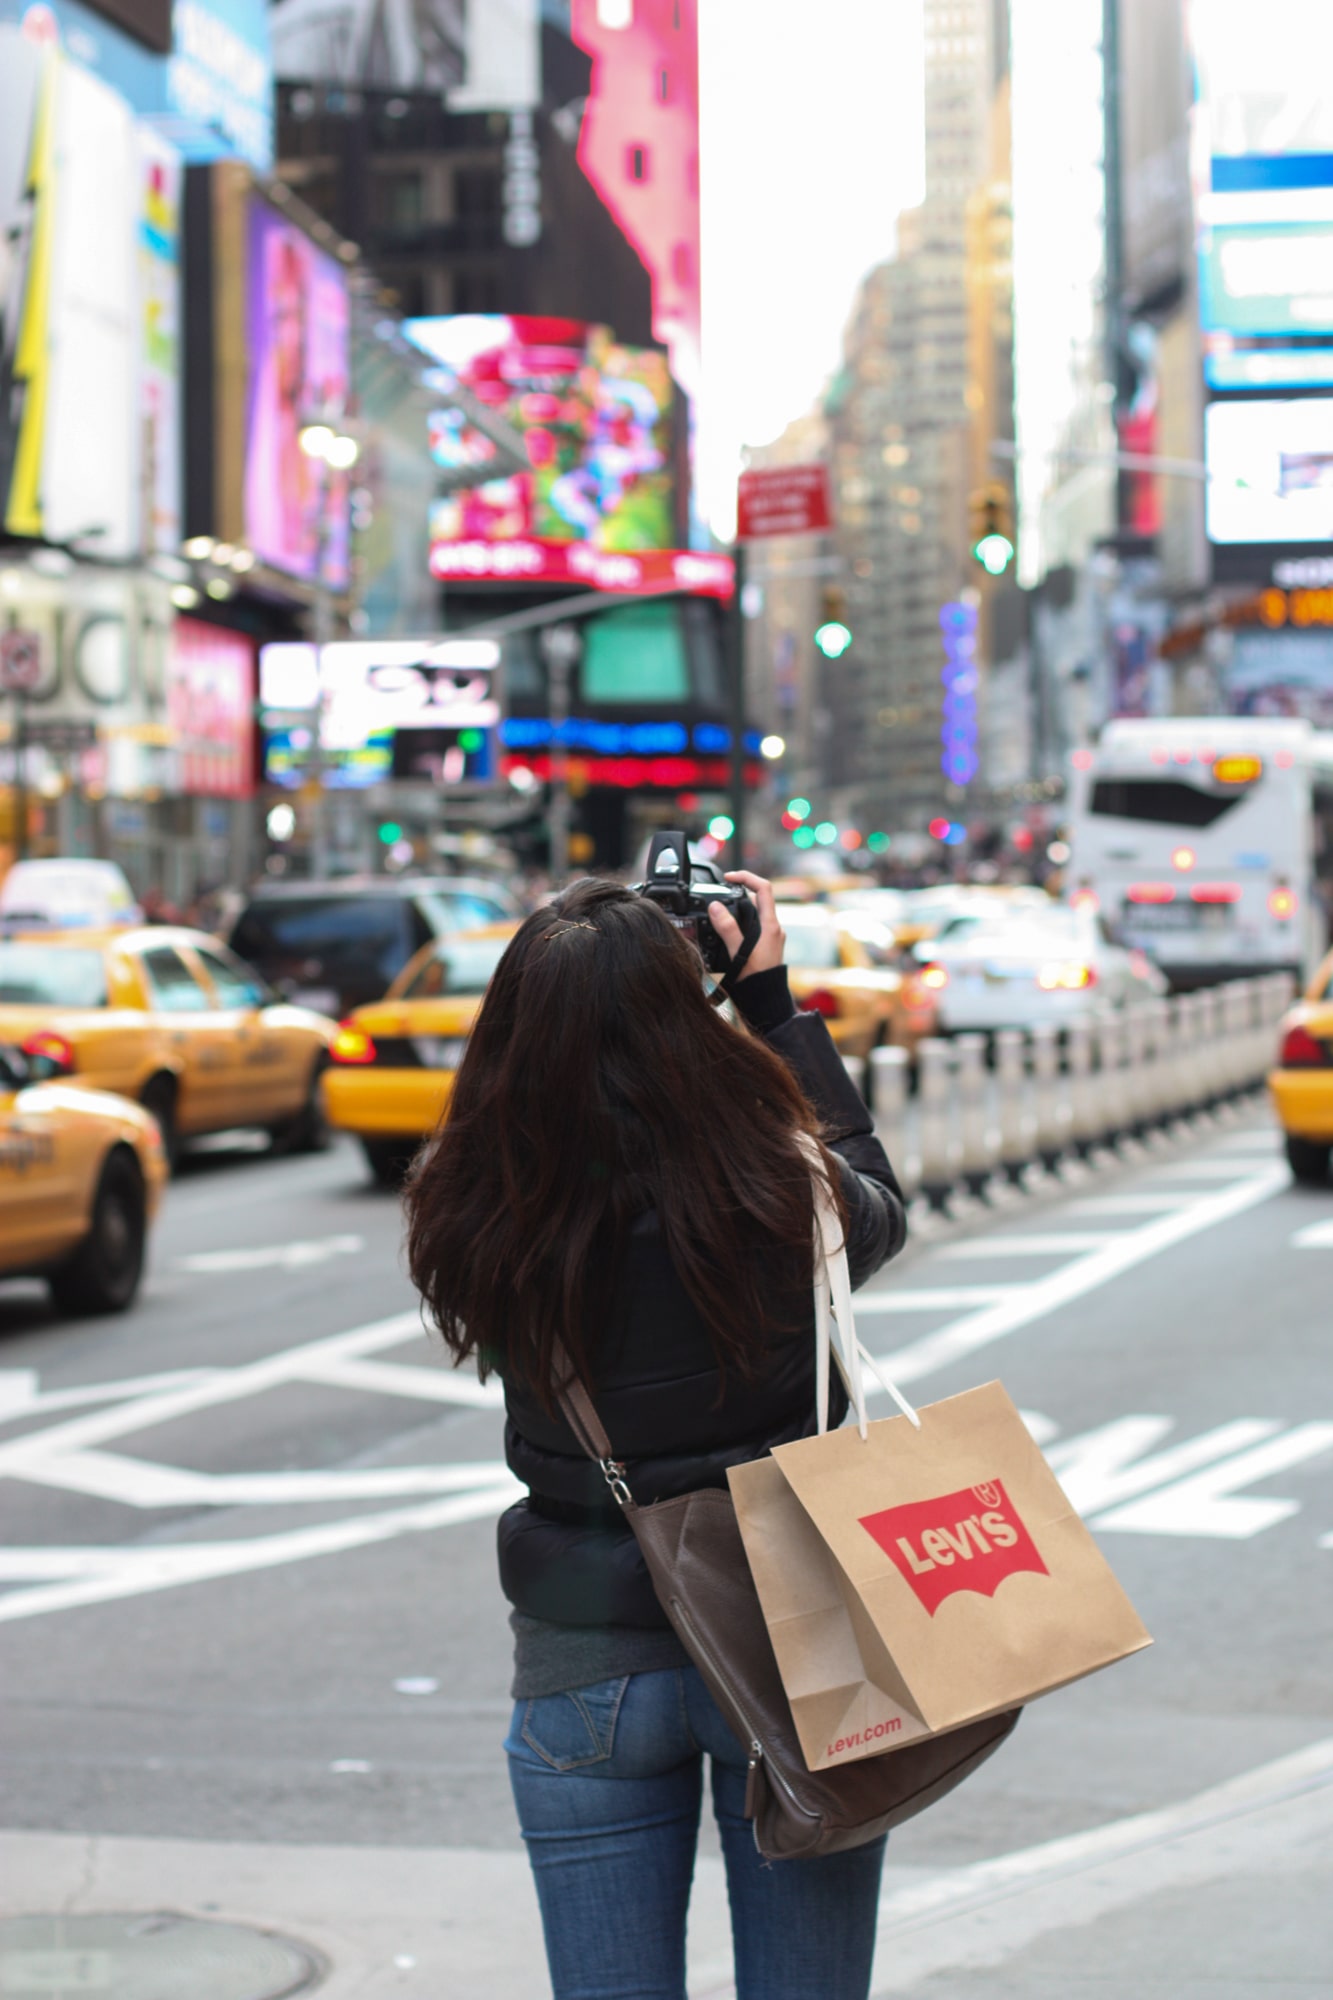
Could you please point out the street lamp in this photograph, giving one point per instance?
(334, 451)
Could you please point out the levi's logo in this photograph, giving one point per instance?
(970, 1540)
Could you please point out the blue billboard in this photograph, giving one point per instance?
(212, 97)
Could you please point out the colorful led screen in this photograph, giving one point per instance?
(296, 507)
(596, 419)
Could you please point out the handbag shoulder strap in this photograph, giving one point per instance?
(579, 1413)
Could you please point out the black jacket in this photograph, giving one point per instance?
(565, 1553)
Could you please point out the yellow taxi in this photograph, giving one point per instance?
(393, 1061)
(81, 1174)
(1301, 1086)
(832, 970)
(175, 1021)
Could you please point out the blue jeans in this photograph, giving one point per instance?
(608, 1781)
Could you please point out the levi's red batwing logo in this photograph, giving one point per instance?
(969, 1540)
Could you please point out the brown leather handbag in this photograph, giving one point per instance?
(696, 1559)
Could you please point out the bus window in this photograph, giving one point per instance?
(1163, 801)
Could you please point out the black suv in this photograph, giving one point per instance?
(336, 945)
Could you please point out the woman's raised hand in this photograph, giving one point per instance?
(772, 939)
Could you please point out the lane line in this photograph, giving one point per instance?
(21, 1395)
(144, 1483)
(965, 1336)
(1056, 1244)
(931, 1298)
(1316, 1236)
(404, 1378)
(272, 1256)
(164, 1567)
(225, 1386)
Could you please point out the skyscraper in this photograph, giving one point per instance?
(898, 417)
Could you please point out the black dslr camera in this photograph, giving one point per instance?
(682, 889)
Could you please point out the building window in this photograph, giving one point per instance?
(637, 163)
(663, 85)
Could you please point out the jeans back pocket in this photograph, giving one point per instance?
(569, 1731)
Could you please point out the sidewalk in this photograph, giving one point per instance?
(1224, 1895)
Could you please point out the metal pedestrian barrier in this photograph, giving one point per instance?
(987, 1108)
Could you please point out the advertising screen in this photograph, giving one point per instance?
(1264, 172)
(596, 418)
(1270, 470)
(210, 708)
(386, 707)
(295, 507)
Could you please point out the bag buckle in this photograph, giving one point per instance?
(614, 1475)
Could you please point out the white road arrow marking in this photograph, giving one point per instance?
(20, 1395)
(1201, 1504)
(273, 1256)
(1316, 1236)
(1104, 1467)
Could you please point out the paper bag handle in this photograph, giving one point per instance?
(833, 1301)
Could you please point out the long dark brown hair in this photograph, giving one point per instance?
(599, 1082)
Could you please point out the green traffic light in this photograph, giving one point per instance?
(470, 740)
(833, 639)
(389, 831)
(994, 552)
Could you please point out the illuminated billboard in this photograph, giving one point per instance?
(297, 342)
(597, 501)
(639, 147)
(1263, 153)
(385, 708)
(1270, 470)
(89, 429)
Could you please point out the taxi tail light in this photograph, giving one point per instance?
(1300, 1050)
(1282, 904)
(47, 1046)
(351, 1044)
(821, 1001)
(1070, 978)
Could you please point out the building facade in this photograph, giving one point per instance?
(902, 748)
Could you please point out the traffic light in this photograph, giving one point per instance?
(991, 524)
(833, 635)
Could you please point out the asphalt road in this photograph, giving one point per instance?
(247, 1588)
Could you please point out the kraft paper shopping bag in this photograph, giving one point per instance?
(922, 1573)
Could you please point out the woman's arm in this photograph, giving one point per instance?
(876, 1215)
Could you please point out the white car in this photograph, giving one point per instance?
(65, 892)
(1051, 966)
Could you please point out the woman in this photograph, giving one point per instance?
(620, 1178)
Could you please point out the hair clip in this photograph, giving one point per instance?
(569, 924)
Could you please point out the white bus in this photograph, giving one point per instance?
(1207, 842)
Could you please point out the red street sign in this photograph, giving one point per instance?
(783, 500)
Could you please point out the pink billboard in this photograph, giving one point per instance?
(211, 709)
(639, 146)
(296, 507)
